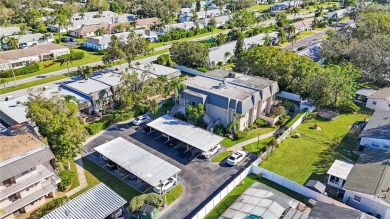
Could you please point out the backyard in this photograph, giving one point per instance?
(227, 142)
(236, 192)
(310, 155)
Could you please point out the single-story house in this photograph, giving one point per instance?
(93, 14)
(336, 15)
(322, 210)
(338, 173)
(89, 31)
(146, 22)
(98, 202)
(184, 26)
(367, 186)
(155, 70)
(279, 7)
(149, 35)
(376, 134)
(23, 57)
(8, 31)
(303, 24)
(29, 40)
(224, 93)
(312, 51)
(220, 20)
(379, 100)
(362, 95)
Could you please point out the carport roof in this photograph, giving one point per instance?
(185, 132)
(136, 160)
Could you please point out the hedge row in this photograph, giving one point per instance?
(48, 207)
(179, 34)
(152, 199)
(20, 71)
(73, 55)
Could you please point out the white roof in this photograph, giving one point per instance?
(61, 92)
(14, 110)
(186, 132)
(365, 92)
(112, 79)
(87, 86)
(98, 203)
(340, 169)
(155, 69)
(136, 160)
(290, 96)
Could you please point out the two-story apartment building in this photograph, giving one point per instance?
(27, 176)
(224, 92)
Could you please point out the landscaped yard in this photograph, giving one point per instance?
(221, 156)
(257, 146)
(310, 156)
(96, 174)
(248, 181)
(227, 142)
(259, 8)
(174, 194)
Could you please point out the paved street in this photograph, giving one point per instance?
(199, 177)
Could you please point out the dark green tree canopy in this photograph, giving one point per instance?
(189, 53)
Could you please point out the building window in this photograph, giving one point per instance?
(334, 180)
(373, 102)
(357, 198)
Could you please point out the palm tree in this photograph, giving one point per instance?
(63, 22)
(227, 56)
(3, 81)
(82, 15)
(234, 126)
(295, 10)
(195, 16)
(293, 38)
(69, 98)
(175, 85)
(291, 30)
(221, 39)
(267, 40)
(100, 31)
(66, 60)
(12, 43)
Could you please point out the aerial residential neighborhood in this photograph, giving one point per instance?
(190, 109)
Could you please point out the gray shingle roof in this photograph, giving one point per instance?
(323, 210)
(371, 173)
(97, 203)
(378, 126)
(383, 93)
(17, 166)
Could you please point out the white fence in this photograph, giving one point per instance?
(222, 194)
(291, 128)
(295, 186)
(271, 121)
(188, 70)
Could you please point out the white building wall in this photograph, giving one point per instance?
(368, 203)
(376, 143)
(381, 104)
(218, 113)
(244, 121)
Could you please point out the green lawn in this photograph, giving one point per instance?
(221, 156)
(310, 156)
(227, 142)
(96, 174)
(260, 8)
(75, 181)
(257, 146)
(174, 194)
(248, 181)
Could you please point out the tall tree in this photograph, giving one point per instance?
(100, 31)
(66, 60)
(281, 19)
(57, 121)
(114, 52)
(189, 53)
(240, 44)
(243, 19)
(195, 113)
(267, 40)
(12, 43)
(174, 86)
(63, 22)
(135, 46)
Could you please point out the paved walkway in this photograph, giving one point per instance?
(240, 145)
(81, 175)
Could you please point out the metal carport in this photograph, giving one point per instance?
(185, 132)
(137, 161)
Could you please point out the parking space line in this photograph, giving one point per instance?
(178, 144)
(150, 132)
(187, 149)
(158, 136)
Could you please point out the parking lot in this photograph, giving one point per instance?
(199, 177)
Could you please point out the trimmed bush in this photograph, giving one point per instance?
(150, 199)
(94, 128)
(190, 33)
(219, 129)
(48, 207)
(241, 135)
(66, 177)
(20, 71)
(73, 55)
(261, 123)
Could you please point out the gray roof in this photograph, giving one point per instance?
(157, 70)
(92, 88)
(9, 30)
(378, 126)
(17, 165)
(383, 93)
(14, 109)
(106, 39)
(112, 79)
(365, 92)
(316, 185)
(88, 15)
(136, 160)
(312, 51)
(28, 37)
(371, 173)
(97, 203)
(323, 210)
(186, 132)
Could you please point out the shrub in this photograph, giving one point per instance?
(95, 127)
(288, 105)
(20, 71)
(181, 116)
(48, 207)
(279, 110)
(283, 119)
(202, 69)
(296, 117)
(241, 135)
(163, 59)
(190, 33)
(150, 199)
(66, 177)
(261, 123)
(219, 129)
(165, 38)
(348, 106)
(73, 55)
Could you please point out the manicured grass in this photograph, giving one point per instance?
(221, 156)
(260, 8)
(227, 142)
(236, 192)
(75, 181)
(96, 174)
(311, 155)
(256, 147)
(174, 194)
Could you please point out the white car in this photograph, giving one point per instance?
(236, 158)
(212, 151)
(140, 120)
(166, 185)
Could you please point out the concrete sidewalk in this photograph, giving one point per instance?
(81, 175)
(240, 145)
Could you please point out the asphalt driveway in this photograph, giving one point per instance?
(199, 177)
